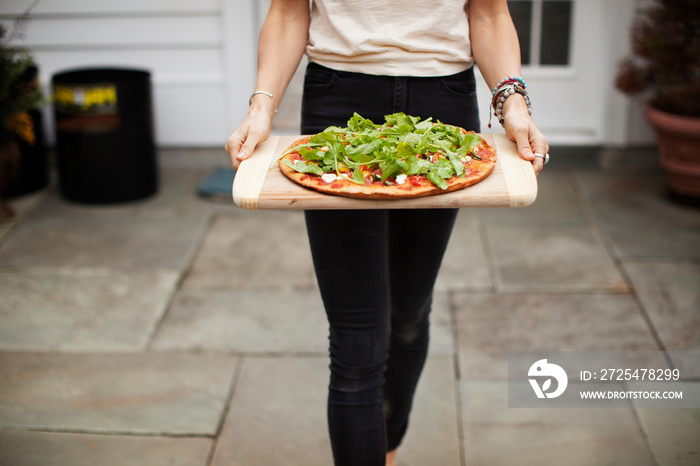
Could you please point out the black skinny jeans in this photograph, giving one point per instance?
(376, 268)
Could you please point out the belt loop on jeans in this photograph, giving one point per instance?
(400, 93)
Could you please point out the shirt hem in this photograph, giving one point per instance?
(417, 69)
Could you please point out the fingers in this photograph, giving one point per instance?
(248, 147)
(538, 145)
(242, 143)
(246, 150)
(234, 145)
(535, 144)
(522, 141)
(538, 165)
(529, 141)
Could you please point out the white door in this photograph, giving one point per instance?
(569, 52)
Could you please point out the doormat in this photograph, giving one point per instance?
(218, 184)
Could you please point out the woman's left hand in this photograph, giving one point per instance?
(520, 128)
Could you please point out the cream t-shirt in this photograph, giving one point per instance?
(395, 38)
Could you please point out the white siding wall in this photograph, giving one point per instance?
(201, 55)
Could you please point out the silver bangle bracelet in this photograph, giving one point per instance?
(250, 101)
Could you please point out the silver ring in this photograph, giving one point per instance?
(545, 158)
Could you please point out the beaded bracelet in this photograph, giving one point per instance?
(506, 88)
(510, 80)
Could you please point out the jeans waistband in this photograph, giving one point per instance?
(314, 65)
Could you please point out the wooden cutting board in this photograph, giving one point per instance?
(257, 186)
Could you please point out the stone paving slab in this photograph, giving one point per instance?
(245, 321)
(175, 197)
(60, 449)
(115, 393)
(490, 325)
(497, 435)
(670, 293)
(278, 416)
(464, 266)
(673, 435)
(442, 333)
(176, 186)
(25, 204)
(21, 206)
(638, 217)
(537, 259)
(433, 433)
(261, 250)
(82, 310)
(557, 203)
(5, 228)
(63, 236)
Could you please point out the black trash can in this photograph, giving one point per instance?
(105, 149)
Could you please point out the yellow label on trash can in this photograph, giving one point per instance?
(98, 98)
(86, 108)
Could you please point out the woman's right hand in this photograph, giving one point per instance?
(255, 129)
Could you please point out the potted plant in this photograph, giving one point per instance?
(20, 96)
(664, 67)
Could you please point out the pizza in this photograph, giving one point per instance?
(402, 158)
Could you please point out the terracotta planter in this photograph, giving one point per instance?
(679, 147)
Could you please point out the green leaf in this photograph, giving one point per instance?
(457, 164)
(358, 123)
(358, 176)
(443, 168)
(303, 167)
(417, 166)
(394, 119)
(364, 149)
(392, 167)
(437, 180)
(424, 125)
(469, 139)
(404, 150)
(324, 138)
(311, 153)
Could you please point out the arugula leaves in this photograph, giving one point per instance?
(303, 167)
(403, 144)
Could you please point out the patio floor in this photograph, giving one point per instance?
(183, 331)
